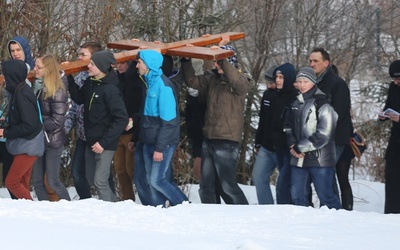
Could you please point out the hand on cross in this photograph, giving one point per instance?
(225, 40)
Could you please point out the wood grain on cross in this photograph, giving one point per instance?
(179, 48)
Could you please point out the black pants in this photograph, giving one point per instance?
(7, 159)
(392, 187)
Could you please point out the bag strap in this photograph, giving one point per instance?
(40, 111)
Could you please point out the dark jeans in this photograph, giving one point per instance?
(78, 169)
(322, 178)
(219, 159)
(283, 185)
(140, 176)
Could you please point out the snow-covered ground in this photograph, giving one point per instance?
(94, 224)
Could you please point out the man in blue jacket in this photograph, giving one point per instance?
(159, 129)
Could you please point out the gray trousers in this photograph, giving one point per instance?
(49, 164)
(101, 163)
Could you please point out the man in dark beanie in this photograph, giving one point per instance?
(105, 117)
(392, 168)
(310, 127)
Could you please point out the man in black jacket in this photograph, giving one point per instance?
(338, 93)
(105, 117)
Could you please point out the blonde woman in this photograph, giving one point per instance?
(53, 103)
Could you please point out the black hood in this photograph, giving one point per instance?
(15, 72)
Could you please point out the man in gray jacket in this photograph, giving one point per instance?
(225, 91)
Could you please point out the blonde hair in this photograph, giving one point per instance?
(51, 78)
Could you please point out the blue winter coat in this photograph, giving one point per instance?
(160, 124)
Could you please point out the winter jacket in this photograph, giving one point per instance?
(310, 126)
(225, 95)
(25, 47)
(273, 110)
(130, 92)
(263, 134)
(139, 89)
(53, 112)
(105, 116)
(23, 116)
(339, 94)
(393, 102)
(160, 123)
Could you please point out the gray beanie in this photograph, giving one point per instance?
(308, 73)
(103, 60)
(269, 74)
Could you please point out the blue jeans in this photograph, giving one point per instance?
(284, 182)
(262, 170)
(218, 160)
(162, 186)
(78, 169)
(322, 178)
(140, 176)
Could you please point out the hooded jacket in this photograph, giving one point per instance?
(310, 125)
(225, 95)
(24, 121)
(160, 123)
(105, 116)
(25, 47)
(273, 110)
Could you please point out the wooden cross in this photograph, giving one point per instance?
(179, 48)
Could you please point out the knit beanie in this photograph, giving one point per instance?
(269, 74)
(308, 73)
(394, 69)
(232, 60)
(103, 60)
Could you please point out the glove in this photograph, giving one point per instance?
(193, 92)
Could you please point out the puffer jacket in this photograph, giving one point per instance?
(225, 95)
(53, 114)
(310, 125)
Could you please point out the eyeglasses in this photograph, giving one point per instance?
(396, 78)
(39, 67)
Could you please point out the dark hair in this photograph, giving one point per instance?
(324, 53)
(93, 47)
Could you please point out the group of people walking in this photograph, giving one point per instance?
(130, 116)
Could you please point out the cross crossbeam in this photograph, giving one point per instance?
(178, 48)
